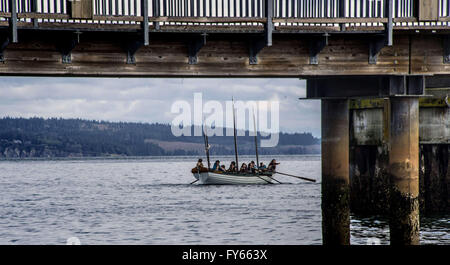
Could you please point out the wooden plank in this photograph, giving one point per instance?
(428, 10)
(209, 19)
(330, 20)
(404, 19)
(65, 16)
(118, 18)
(5, 14)
(427, 55)
(94, 25)
(225, 20)
(151, 19)
(81, 9)
(442, 29)
(43, 15)
(88, 26)
(309, 28)
(211, 28)
(101, 54)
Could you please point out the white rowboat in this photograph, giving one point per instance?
(230, 179)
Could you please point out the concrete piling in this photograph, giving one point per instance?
(369, 156)
(335, 172)
(404, 170)
(381, 143)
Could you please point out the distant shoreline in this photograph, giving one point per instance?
(22, 138)
(231, 157)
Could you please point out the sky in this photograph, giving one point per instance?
(150, 99)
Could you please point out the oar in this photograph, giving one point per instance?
(270, 178)
(193, 182)
(275, 180)
(263, 179)
(308, 179)
(198, 173)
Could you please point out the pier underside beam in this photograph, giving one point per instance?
(335, 172)
(404, 170)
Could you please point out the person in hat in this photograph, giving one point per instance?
(200, 163)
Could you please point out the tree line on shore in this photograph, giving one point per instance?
(57, 137)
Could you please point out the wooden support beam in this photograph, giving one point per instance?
(194, 46)
(131, 47)
(415, 85)
(428, 10)
(377, 43)
(81, 9)
(4, 41)
(102, 54)
(364, 86)
(316, 45)
(65, 44)
(438, 81)
(255, 46)
(446, 48)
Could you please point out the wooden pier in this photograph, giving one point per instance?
(346, 49)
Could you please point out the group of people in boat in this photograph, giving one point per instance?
(245, 168)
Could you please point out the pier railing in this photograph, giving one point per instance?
(283, 13)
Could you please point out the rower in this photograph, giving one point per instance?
(273, 165)
(251, 167)
(222, 168)
(216, 166)
(232, 167)
(262, 166)
(243, 168)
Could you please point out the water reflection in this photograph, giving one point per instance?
(375, 229)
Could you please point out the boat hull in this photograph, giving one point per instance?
(229, 179)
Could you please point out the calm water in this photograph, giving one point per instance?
(149, 201)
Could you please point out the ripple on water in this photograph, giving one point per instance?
(140, 201)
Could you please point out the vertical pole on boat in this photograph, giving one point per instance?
(205, 138)
(256, 140)
(235, 138)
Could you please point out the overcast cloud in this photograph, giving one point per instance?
(149, 99)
